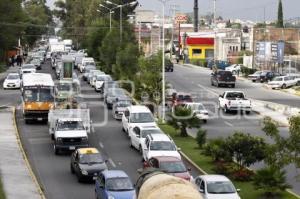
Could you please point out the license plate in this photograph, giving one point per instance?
(95, 178)
(40, 119)
(72, 147)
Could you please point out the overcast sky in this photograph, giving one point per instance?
(230, 9)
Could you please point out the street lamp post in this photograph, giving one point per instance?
(163, 61)
(110, 13)
(121, 14)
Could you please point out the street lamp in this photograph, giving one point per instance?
(110, 13)
(163, 60)
(121, 17)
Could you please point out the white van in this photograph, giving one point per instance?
(86, 61)
(137, 115)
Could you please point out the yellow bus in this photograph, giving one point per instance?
(37, 96)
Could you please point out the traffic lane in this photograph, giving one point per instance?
(201, 76)
(53, 172)
(10, 97)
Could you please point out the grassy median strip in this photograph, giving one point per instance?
(2, 195)
(189, 146)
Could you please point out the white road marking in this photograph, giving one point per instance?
(208, 90)
(112, 162)
(101, 145)
(229, 124)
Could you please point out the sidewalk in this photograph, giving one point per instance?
(9, 70)
(17, 177)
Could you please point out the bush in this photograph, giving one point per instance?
(201, 138)
(217, 149)
(271, 180)
(243, 174)
(247, 71)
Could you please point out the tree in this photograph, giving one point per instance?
(271, 180)
(183, 118)
(217, 149)
(285, 150)
(280, 15)
(246, 149)
(201, 138)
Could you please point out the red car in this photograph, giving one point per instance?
(170, 165)
(182, 98)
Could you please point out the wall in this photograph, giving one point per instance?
(202, 47)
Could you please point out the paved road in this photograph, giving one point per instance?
(53, 172)
(197, 82)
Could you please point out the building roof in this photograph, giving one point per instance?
(199, 41)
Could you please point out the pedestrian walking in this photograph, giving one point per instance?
(19, 60)
(12, 60)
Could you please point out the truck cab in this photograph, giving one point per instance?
(69, 134)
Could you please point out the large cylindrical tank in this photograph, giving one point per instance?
(163, 186)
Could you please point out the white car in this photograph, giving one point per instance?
(282, 82)
(159, 145)
(12, 81)
(137, 115)
(86, 61)
(138, 135)
(216, 187)
(234, 69)
(198, 110)
(93, 77)
(100, 79)
(234, 101)
(27, 68)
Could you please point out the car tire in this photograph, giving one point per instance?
(56, 150)
(233, 86)
(212, 83)
(140, 150)
(298, 83)
(204, 121)
(218, 85)
(283, 86)
(131, 146)
(79, 179)
(247, 112)
(226, 109)
(72, 169)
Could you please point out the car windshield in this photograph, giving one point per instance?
(162, 146)
(257, 73)
(123, 103)
(220, 187)
(94, 158)
(184, 97)
(70, 125)
(89, 63)
(234, 95)
(103, 78)
(277, 79)
(13, 77)
(38, 95)
(45, 95)
(173, 167)
(119, 184)
(150, 131)
(141, 118)
(116, 92)
(64, 87)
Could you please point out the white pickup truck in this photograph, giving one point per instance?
(69, 128)
(234, 101)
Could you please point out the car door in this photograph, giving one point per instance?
(146, 149)
(222, 100)
(135, 137)
(125, 120)
(202, 188)
(76, 163)
(100, 187)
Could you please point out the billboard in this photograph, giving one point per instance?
(270, 52)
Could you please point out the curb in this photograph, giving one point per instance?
(31, 173)
(192, 163)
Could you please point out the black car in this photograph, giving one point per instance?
(87, 163)
(266, 76)
(222, 77)
(169, 66)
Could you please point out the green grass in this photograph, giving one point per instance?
(2, 195)
(189, 146)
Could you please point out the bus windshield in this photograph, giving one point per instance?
(38, 95)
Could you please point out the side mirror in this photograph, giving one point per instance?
(140, 170)
(238, 190)
(138, 136)
(178, 149)
(220, 96)
(212, 74)
(189, 169)
(106, 161)
(101, 185)
(201, 190)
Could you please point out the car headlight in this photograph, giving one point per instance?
(84, 172)
(58, 139)
(111, 197)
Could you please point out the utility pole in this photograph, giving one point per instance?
(173, 9)
(196, 18)
(215, 31)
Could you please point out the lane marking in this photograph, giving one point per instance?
(208, 90)
(112, 163)
(101, 145)
(229, 124)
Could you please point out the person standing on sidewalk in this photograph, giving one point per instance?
(19, 60)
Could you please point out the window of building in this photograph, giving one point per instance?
(197, 52)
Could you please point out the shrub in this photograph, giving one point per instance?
(217, 149)
(201, 138)
(247, 71)
(242, 174)
(271, 180)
